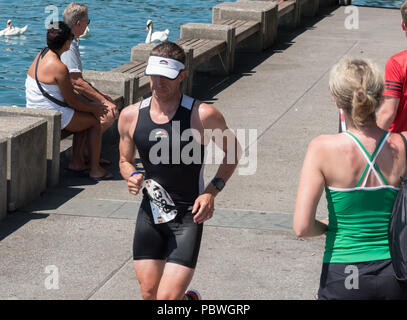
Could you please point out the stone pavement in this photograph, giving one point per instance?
(85, 229)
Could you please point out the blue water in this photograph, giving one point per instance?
(116, 26)
(379, 3)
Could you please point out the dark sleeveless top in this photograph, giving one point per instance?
(169, 153)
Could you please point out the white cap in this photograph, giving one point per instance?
(162, 66)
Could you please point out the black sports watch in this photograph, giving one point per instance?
(218, 183)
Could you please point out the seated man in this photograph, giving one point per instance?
(76, 17)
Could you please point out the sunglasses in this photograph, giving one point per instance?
(88, 21)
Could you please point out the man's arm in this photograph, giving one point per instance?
(394, 76)
(73, 99)
(212, 119)
(72, 59)
(387, 112)
(127, 120)
(85, 88)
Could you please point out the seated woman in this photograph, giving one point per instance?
(360, 170)
(48, 86)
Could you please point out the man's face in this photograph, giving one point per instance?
(80, 26)
(164, 88)
(84, 23)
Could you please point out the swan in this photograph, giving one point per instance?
(158, 36)
(85, 34)
(12, 31)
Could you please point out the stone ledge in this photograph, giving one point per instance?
(53, 136)
(26, 158)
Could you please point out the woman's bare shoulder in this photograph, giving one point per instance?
(327, 142)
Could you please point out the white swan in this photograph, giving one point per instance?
(158, 36)
(86, 33)
(12, 31)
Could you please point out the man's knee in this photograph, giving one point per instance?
(107, 120)
(148, 291)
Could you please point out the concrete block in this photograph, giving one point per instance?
(53, 119)
(328, 3)
(309, 8)
(3, 176)
(289, 14)
(112, 83)
(214, 32)
(261, 11)
(26, 158)
(141, 52)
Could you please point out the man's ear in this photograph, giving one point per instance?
(403, 26)
(183, 74)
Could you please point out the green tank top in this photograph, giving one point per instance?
(359, 217)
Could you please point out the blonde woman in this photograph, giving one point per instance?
(360, 170)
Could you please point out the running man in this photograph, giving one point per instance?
(175, 204)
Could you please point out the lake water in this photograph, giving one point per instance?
(116, 26)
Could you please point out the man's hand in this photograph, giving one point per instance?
(99, 110)
(135, 183)
(107, 97)
(112, 108)
(203, 207)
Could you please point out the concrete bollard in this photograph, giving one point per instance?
(112, 83)
(214, 32)
(26, 158)
(3, 177)
(141, 52)
(53, 119)
(289, 14)
(261, 11)
(328, 3)
(309, 8)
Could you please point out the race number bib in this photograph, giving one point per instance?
(160, 202)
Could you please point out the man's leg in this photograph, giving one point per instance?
(78, 149)
(80, 123)
(174, 281)
(149, 274)
(94, 141)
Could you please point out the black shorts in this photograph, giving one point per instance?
(176, 241)
(373, 280)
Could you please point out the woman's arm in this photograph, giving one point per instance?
(310, 189)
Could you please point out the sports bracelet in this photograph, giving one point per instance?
(135, 172)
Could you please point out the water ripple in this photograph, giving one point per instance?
(116, 26)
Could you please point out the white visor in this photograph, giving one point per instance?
(162, 66)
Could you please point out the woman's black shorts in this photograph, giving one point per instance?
(372, 280)
(177, 241)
